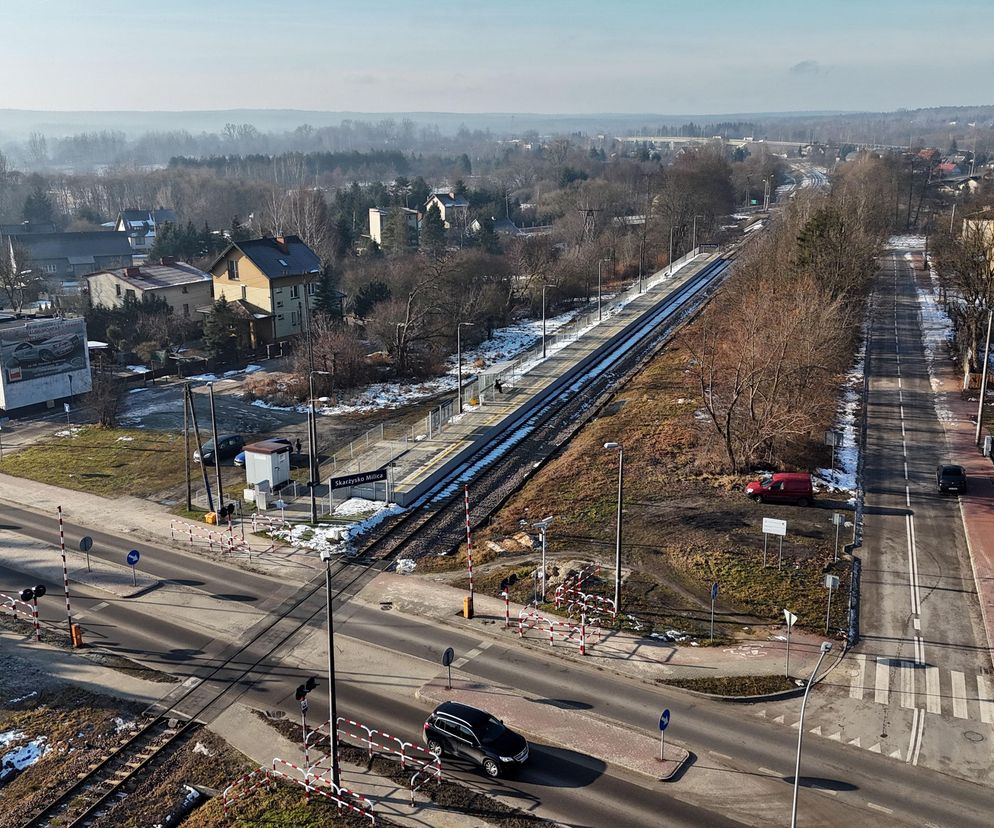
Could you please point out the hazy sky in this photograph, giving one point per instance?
(690, 56)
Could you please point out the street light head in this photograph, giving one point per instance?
(544, 523)
(826, 646)
(326, 555)
(612, 445)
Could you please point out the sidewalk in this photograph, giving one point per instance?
(958, 419)
(646, 659)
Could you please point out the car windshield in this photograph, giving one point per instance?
(766, 479)
(491, 730)
(952, 471)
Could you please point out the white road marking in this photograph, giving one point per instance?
(858, 679)
(768, 772)
(907, 694)
(917, 623)
(905, 469)
(720, 755)
(917, 727)
(882, 684)
(959, 694)
(933, 701)
(985, 696)
(907, 495)
(91, 610)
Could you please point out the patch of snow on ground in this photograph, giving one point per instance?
(843, 476)
(120, 725)
(24, 756)
(907, 240)
(204, 378)
(20, 699)
(124, 439)
(937, 329)
(9, 736)
(138, 369)
(251, 369)
(337, 538)
(136, 390)
(72, 431)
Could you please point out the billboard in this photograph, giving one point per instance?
(42, 361)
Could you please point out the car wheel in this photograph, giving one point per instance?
(802, 501)
(434, 746)
(491, 768)
(757, 497)
(45, 356)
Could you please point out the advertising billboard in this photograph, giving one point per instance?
(42, 361)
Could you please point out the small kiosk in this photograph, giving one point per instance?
(267, 462)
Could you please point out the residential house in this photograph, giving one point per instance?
(183, 287)
(270, 285)
(142, 225)
(452, 208)
(981, 230)
(947, 169)
(378, 220)
(27, 227)
(61, 259)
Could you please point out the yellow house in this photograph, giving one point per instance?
(981, 232)
(269, 283)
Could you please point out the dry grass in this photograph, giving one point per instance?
(735, 685)
(684, 525)
(107, 461)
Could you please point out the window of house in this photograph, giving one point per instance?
(117, 290)
(130, 292)
(311, 288)
(279, 304)
(185, 289)
(279, 316)
(51, 268)
(232, 269)
(186, 310)
(244, 292)
(293, 317)
(294, 291)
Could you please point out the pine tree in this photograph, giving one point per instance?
(220, 330)
(326, 297)
(397, 233)
(433, 232)
(38, 207)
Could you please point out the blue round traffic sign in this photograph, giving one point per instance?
(664, 720)
(133, 557)
(714, 590)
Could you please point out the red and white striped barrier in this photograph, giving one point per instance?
(237, 789)
(342, 797)
(65, 570)
(31, 610)
(507, 609)
(269, 522)
(388, 743)
(530, 619)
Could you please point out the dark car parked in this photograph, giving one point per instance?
(950, 479)
(240, 457)
(470, 733)
(228, 446)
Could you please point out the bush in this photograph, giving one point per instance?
(277, 389)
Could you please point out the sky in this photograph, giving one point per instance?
(547, 56)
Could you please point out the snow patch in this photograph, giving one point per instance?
(24, 756)
(337, 539)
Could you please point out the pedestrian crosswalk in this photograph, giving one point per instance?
(910, 685)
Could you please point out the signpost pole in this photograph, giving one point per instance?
(766, 540)
(786, 669)
(828, 612)
(65, 571)
(714, 595)
(780, 558)
(664, 722)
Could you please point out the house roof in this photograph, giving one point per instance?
(293, 258)
(240, 309)
(85, 246)
(156, 276)
(135, 219)
(449, 200)
(26, 227)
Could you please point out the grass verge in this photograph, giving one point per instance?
(112, 462)
(734, 685)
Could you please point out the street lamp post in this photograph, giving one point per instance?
(694, 245)
(983, 378)
(544, 287)
(617, 540)
(669, 267)
(826, 646)
(332, 704)
(312, 442)
(600, 314)
(543, 527)
(459, 328)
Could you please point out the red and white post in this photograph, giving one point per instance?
(34, 613)
(65, 570)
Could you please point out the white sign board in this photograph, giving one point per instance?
(774, 526)
(789, 617)
(831, 581)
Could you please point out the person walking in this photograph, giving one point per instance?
(499, 386)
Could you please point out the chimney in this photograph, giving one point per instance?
(132, 271)
(281, 244)
(167, 260)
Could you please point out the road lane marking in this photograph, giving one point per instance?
(857, 680)
(907, 495)
(917, 622)
(881, 685)
(768, 772)
(880, 808)
(917, 741)
(959, 694)
(933, 701)
(91, 610)
(907, 694)
(905, 469)
(985, 697)
(914, 734)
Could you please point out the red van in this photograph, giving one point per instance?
(782, 487)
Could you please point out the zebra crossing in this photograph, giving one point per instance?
(937, 691)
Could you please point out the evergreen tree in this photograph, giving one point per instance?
(368, 296)
(38, 206)
(326, 297)
(397, 234)
(433, 232)
(220, 330)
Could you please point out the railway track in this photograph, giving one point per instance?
(433, 523)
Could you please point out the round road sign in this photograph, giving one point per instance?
(133, 557)
(664, 720)
(85, 543)
(447, 656)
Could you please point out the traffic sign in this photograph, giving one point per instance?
(831, 581)
(66, 407)
(790, 618)
(838, 519)
(714, 590)
(133, 557)
(85, 543)
(664, 719)
(774, 526)
(303, 705)
(448, 656)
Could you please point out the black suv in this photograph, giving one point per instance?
(469, 733)
(230, 445)
(950, 479)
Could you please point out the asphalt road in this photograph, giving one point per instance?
(839, 783)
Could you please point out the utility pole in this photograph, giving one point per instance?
(217, 450)
(186, 443)
(203, 465)
(983, 378)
